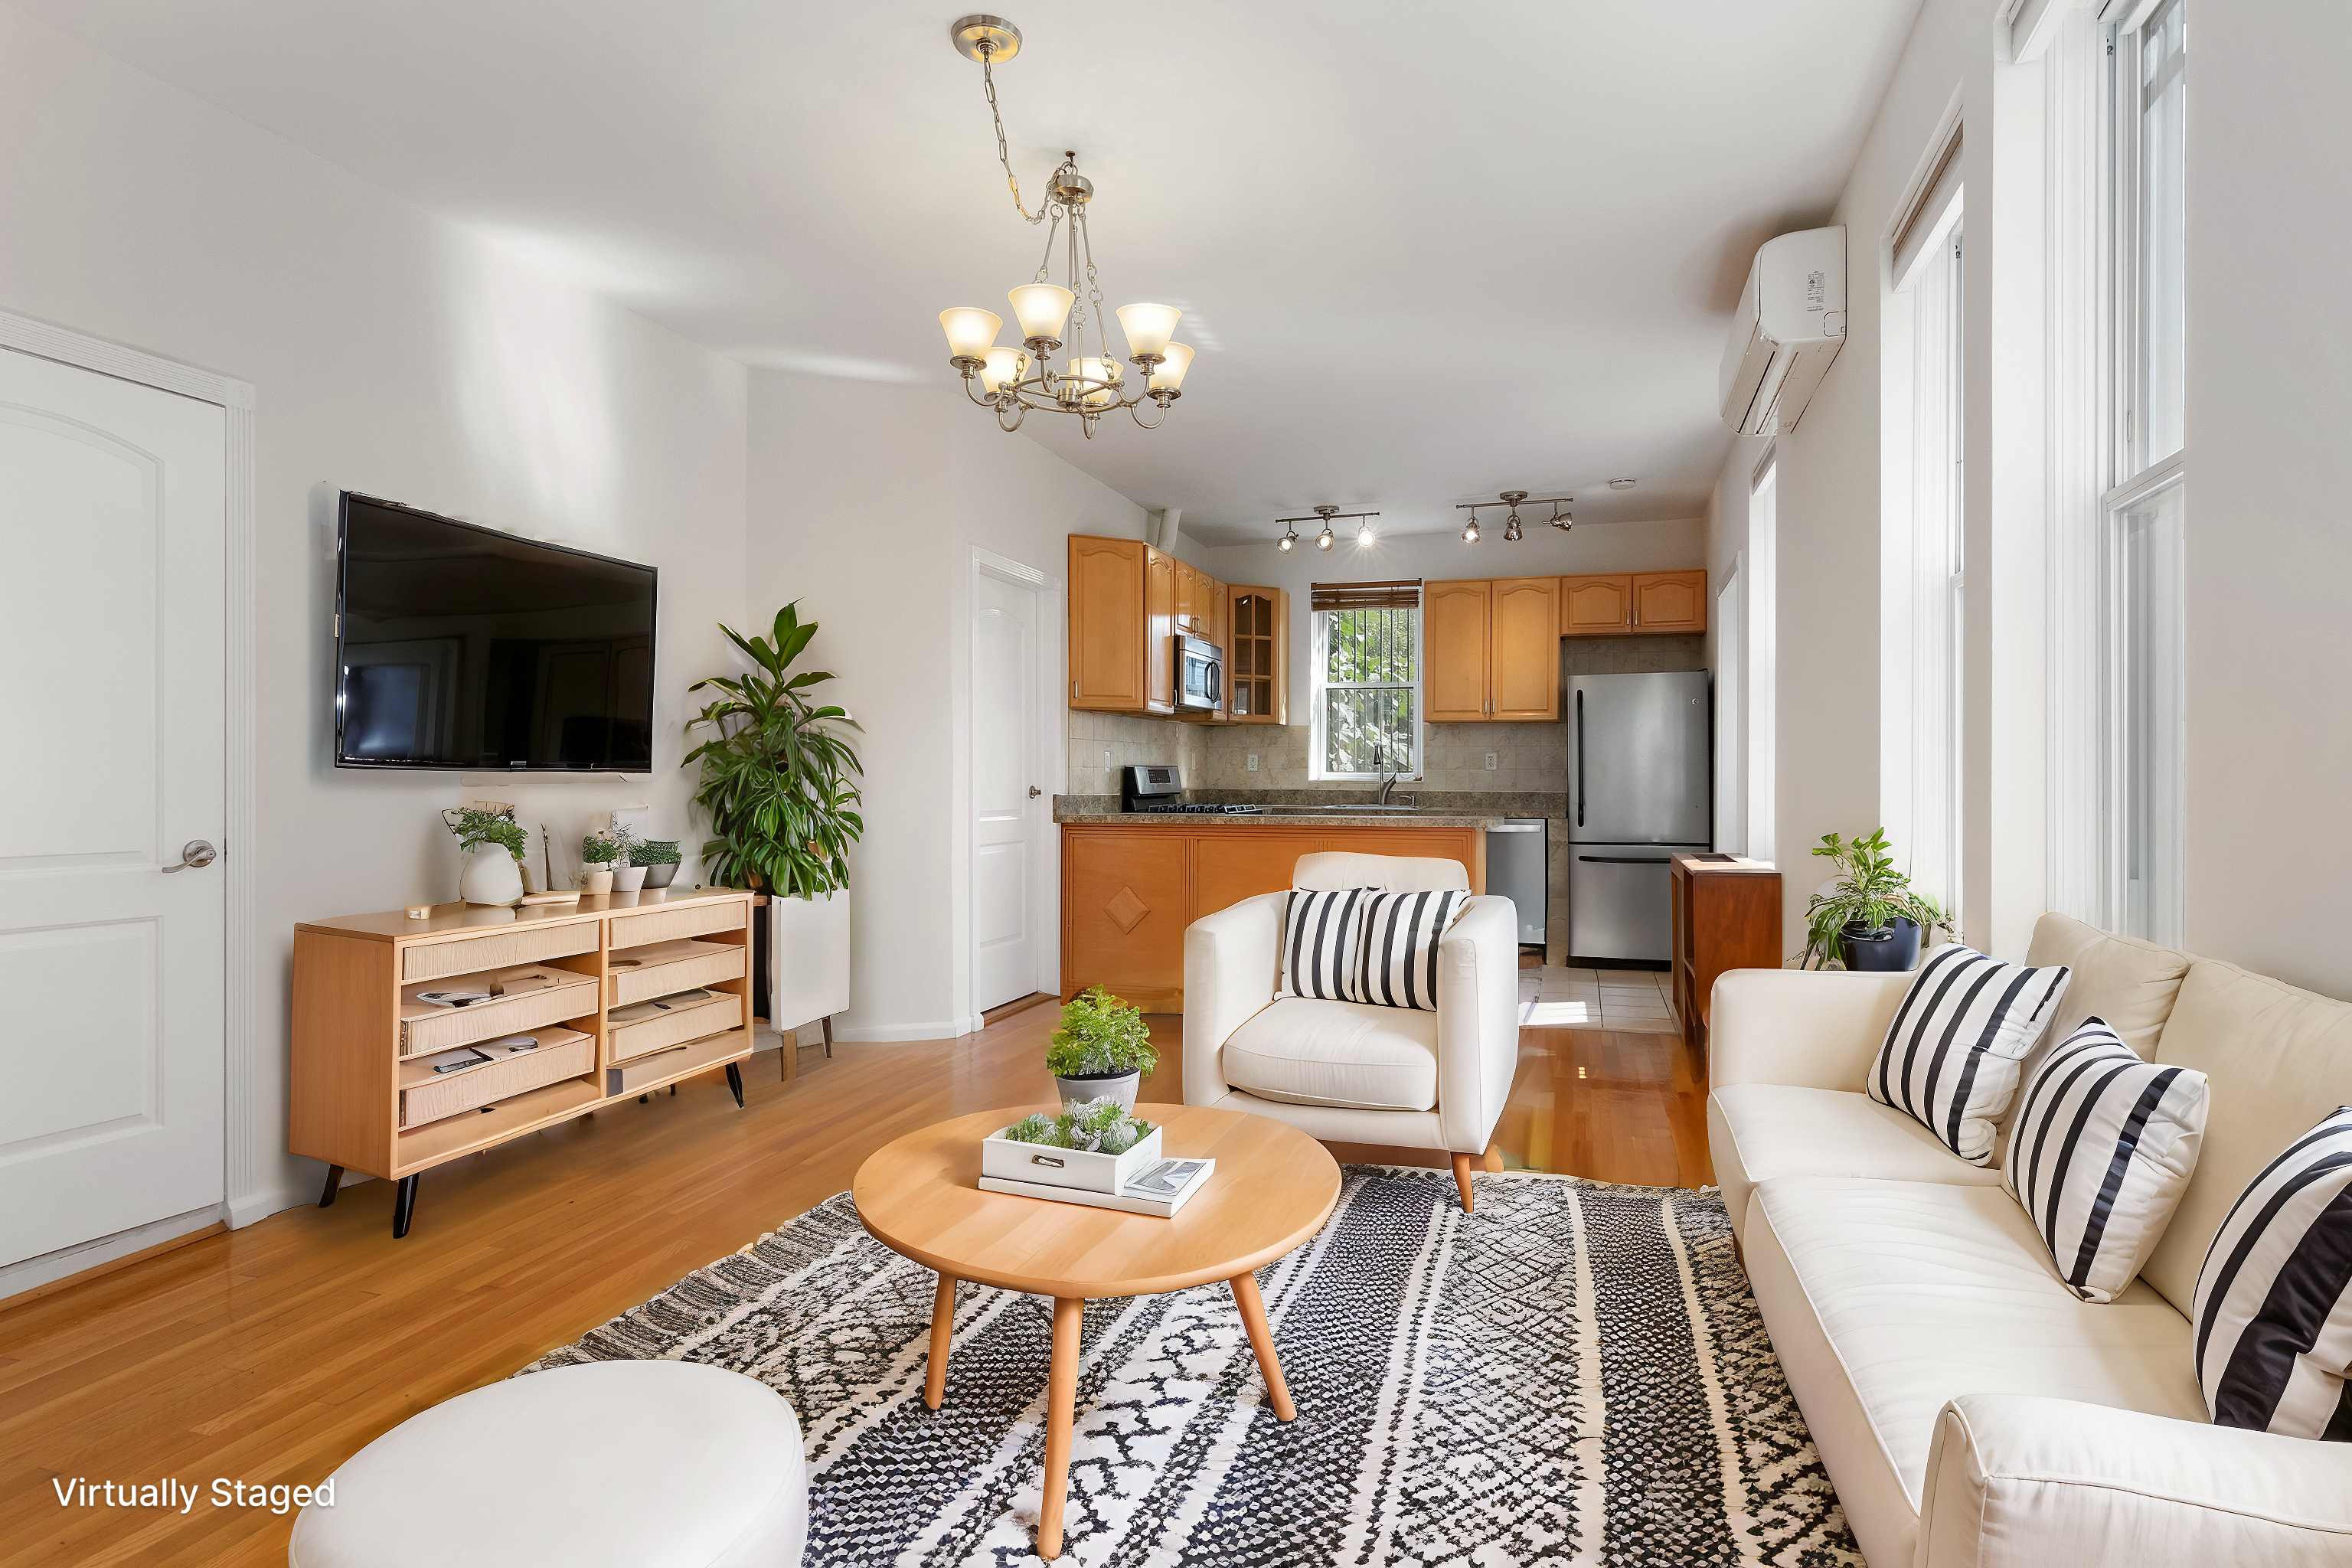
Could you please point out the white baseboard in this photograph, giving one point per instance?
(898, 1033)
(32, 1273)
(259, 1204)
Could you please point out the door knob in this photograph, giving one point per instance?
(1034, 791)
(195, 854)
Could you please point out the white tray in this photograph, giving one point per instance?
(1034, 1162)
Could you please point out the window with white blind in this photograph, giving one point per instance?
(1367, 681)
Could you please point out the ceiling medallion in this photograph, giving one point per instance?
(1013, 381)
(1511, 498)
(1325, 515)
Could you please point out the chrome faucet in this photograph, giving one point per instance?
(1379, 766)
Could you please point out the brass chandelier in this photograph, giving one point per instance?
(1015, 381)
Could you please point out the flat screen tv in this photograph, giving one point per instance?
(460, 647)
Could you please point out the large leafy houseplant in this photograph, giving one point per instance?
(1866, 900)
(779, 779)
(1100, 1036)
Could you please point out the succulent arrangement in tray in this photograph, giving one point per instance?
(1096, 1126)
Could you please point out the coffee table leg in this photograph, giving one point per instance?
(1061, 1397)
(1261, 1338)
(935, 1378)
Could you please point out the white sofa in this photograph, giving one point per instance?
(1970, 1411)
(1350, 1072)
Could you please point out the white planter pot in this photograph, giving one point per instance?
(808, 959)
(491, 877)
(628, 878)
(1121, 1086)
(596, 881)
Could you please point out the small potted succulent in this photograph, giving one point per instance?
(629, 872)
(660, 857)
(1101, 1050)
(598, 854)
(1096, 1126)
(1870, 918)
(494, 845)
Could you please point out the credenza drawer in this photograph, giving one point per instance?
(645, 972)
(686, 1021)
(634, 1075)
(564, 1053)
(424, 1029)
(498, 948)
(671, 925)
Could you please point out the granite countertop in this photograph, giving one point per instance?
(1442, 808)
(1281, 819)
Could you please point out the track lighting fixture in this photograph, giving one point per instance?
(1289, 538)
(1326, 515)
(1510, 500)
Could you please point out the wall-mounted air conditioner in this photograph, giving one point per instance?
(1790, 325)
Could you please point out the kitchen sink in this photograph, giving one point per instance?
(1340, 810)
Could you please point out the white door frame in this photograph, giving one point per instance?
(1046, 910)
(249, 1197)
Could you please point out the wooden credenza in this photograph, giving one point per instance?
(1727, 915)
(1128, 891)
(604, 986)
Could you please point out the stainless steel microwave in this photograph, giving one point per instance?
(1200, 675)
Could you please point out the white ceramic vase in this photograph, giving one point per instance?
(596, 881)
(491, 877)
(628, 878)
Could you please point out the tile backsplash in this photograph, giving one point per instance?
(1128, 738)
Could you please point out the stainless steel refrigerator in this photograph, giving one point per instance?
(1638, 791)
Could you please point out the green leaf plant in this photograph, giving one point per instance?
(1099, 1034)
(1871, 893)
(779, 779)
(476, 828)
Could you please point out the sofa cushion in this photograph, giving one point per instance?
(1886, 1299)
(1303, 1051)
(1951, 1056)
(2101, 1148)
(1323, 944)
(1402, 931)
(1759, 1130)
(2278, 1059)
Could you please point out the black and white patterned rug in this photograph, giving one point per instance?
(1576, 1373)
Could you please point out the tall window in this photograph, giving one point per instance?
(2145, 509)
(1762, 568)
(1367, 672)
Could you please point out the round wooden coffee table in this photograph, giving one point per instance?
(1273, 1189)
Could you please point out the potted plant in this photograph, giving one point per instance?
(779, 785)
(1868, 918)
(1101, 1050)
(494, 843)
(659, 857)
(628, 872)
(598, 854)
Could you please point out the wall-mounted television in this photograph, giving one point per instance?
(460, 647)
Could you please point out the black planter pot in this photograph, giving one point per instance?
(1890, 949)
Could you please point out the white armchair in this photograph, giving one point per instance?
(1349, 1071)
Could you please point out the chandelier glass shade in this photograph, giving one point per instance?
(1016, 382)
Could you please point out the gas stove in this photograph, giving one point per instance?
(1152, 790)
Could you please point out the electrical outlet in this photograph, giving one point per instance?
(1253, 765)
(1106, 759)
(1490, 762)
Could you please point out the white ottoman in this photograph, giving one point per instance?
(618, 1464)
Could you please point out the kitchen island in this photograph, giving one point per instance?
(1131, 882)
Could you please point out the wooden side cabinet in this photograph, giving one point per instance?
(1109, 625)
(1727, 915)
(1669, 601)
(1257, 655)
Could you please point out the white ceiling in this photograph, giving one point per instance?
(1426, 252)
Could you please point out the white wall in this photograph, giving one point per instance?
(867, 504)
(390, 352)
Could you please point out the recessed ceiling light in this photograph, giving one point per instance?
(1621, 484)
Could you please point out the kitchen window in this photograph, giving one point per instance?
(1367, 681)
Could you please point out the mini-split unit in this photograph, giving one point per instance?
(1790, 325)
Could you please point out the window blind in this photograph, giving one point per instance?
(1402, 595)
(1923, 220)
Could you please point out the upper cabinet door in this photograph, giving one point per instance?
(1596, 607)
(1160, 630)
(1456, 633)
(1193, 612)
(1670, 601)
(1257, 655)
(1107, 624)
(1525, 679)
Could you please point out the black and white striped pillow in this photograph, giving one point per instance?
(2099, 1152)
(1323, 944)
(1402, 931)
(2274, 1303)
(1951, 1056)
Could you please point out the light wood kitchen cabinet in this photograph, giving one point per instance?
(1109, 653)
(1159, 631)
(1456, 642)
(1669, 601)
(1596, 607)
(1257, 655)
(1490, 650)
(1196, 596)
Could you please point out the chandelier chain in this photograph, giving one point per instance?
(1003, 155)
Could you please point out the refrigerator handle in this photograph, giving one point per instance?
(1580, 758)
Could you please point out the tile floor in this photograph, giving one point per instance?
(1633, 1000)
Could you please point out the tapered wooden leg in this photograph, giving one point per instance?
(1061, 1398)
(935, 1377)
(1462, 1179)
(1261, 1338)
(334, 1184)
(404, 1206)
(735, 1082)
(828, 1036)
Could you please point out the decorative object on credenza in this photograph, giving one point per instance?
(1870, 918)
(598, 854)
(494, 843)
(659, 857)
(628, 871)
(779, 784)
(1100, 1051)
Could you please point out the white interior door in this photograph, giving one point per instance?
(1008, 802)
(113, 517)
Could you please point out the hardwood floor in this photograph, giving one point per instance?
(272, 1353)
